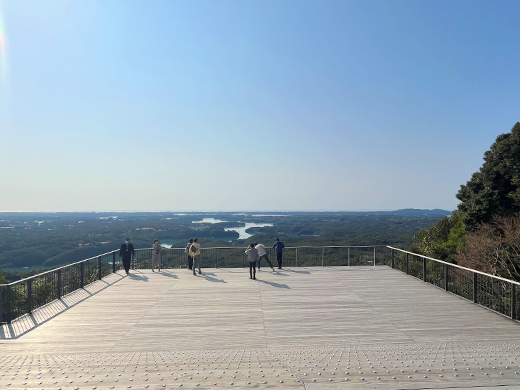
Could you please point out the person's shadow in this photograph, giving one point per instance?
(169, 275)
(296, 272)
(140, 277)
(277, 285)
(209, 277)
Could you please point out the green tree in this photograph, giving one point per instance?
(495, 189)
(3, 279)
(443, 239)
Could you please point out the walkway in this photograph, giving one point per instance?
(303, 328)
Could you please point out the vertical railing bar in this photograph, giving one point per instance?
(99, 268)
(407, 264)
(9, 305)
(322, 256)
(424, 269)
(513, 301)
(393, 261)
(82, 275)
(1, 304)
(475, 287)
(296, 257)
(29, 296)
(114, 262)
(446, 277)
(348, 256)
(59, 284)
(374, 256)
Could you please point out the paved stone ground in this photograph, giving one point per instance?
(304, 328)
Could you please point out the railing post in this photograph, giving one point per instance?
(29, 296)
(348, 257)
(446, 277)
(322, 256)
(475, 285)
(407, 267)
(1, 304)
(59, 284)
(513, 301)
(99, 268)
(374, 256)
(296, 257)
(82, 274)
(114, 262)
(393, 261)
(424, 270)
(9, 306)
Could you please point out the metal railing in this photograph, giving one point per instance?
(492, 292)
(497, 294)
(24, 296)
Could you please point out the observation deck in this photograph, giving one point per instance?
(333, 327)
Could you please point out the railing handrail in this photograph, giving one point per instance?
(203, 249)
(57, 269)
(456, 266)
(287, 247)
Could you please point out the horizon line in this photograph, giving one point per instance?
(222, 211)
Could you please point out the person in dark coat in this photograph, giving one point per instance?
(278, 247)
(126, 252)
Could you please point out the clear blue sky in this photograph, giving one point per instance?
(271, 105)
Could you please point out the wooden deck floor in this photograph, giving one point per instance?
(345, 323)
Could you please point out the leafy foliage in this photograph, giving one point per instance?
(495, 189)
(443, 239)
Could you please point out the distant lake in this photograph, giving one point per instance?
(241, 230)
(242, 235)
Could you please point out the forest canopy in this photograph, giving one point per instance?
(484, 233)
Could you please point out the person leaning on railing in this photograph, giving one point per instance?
(262, 254)
(195, 253)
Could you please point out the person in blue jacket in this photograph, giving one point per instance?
(278, 247)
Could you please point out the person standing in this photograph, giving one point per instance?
(262, 253)
(278, 247)
(195, 253)
(187, 250)
(126, 252)
(252, 256)
(156, 255)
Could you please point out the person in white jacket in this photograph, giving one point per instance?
(252, 256)
(262, 253)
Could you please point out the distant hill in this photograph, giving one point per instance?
(421, 212)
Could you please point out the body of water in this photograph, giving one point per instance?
(241, 230)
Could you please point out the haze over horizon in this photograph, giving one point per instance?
(273, 105)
